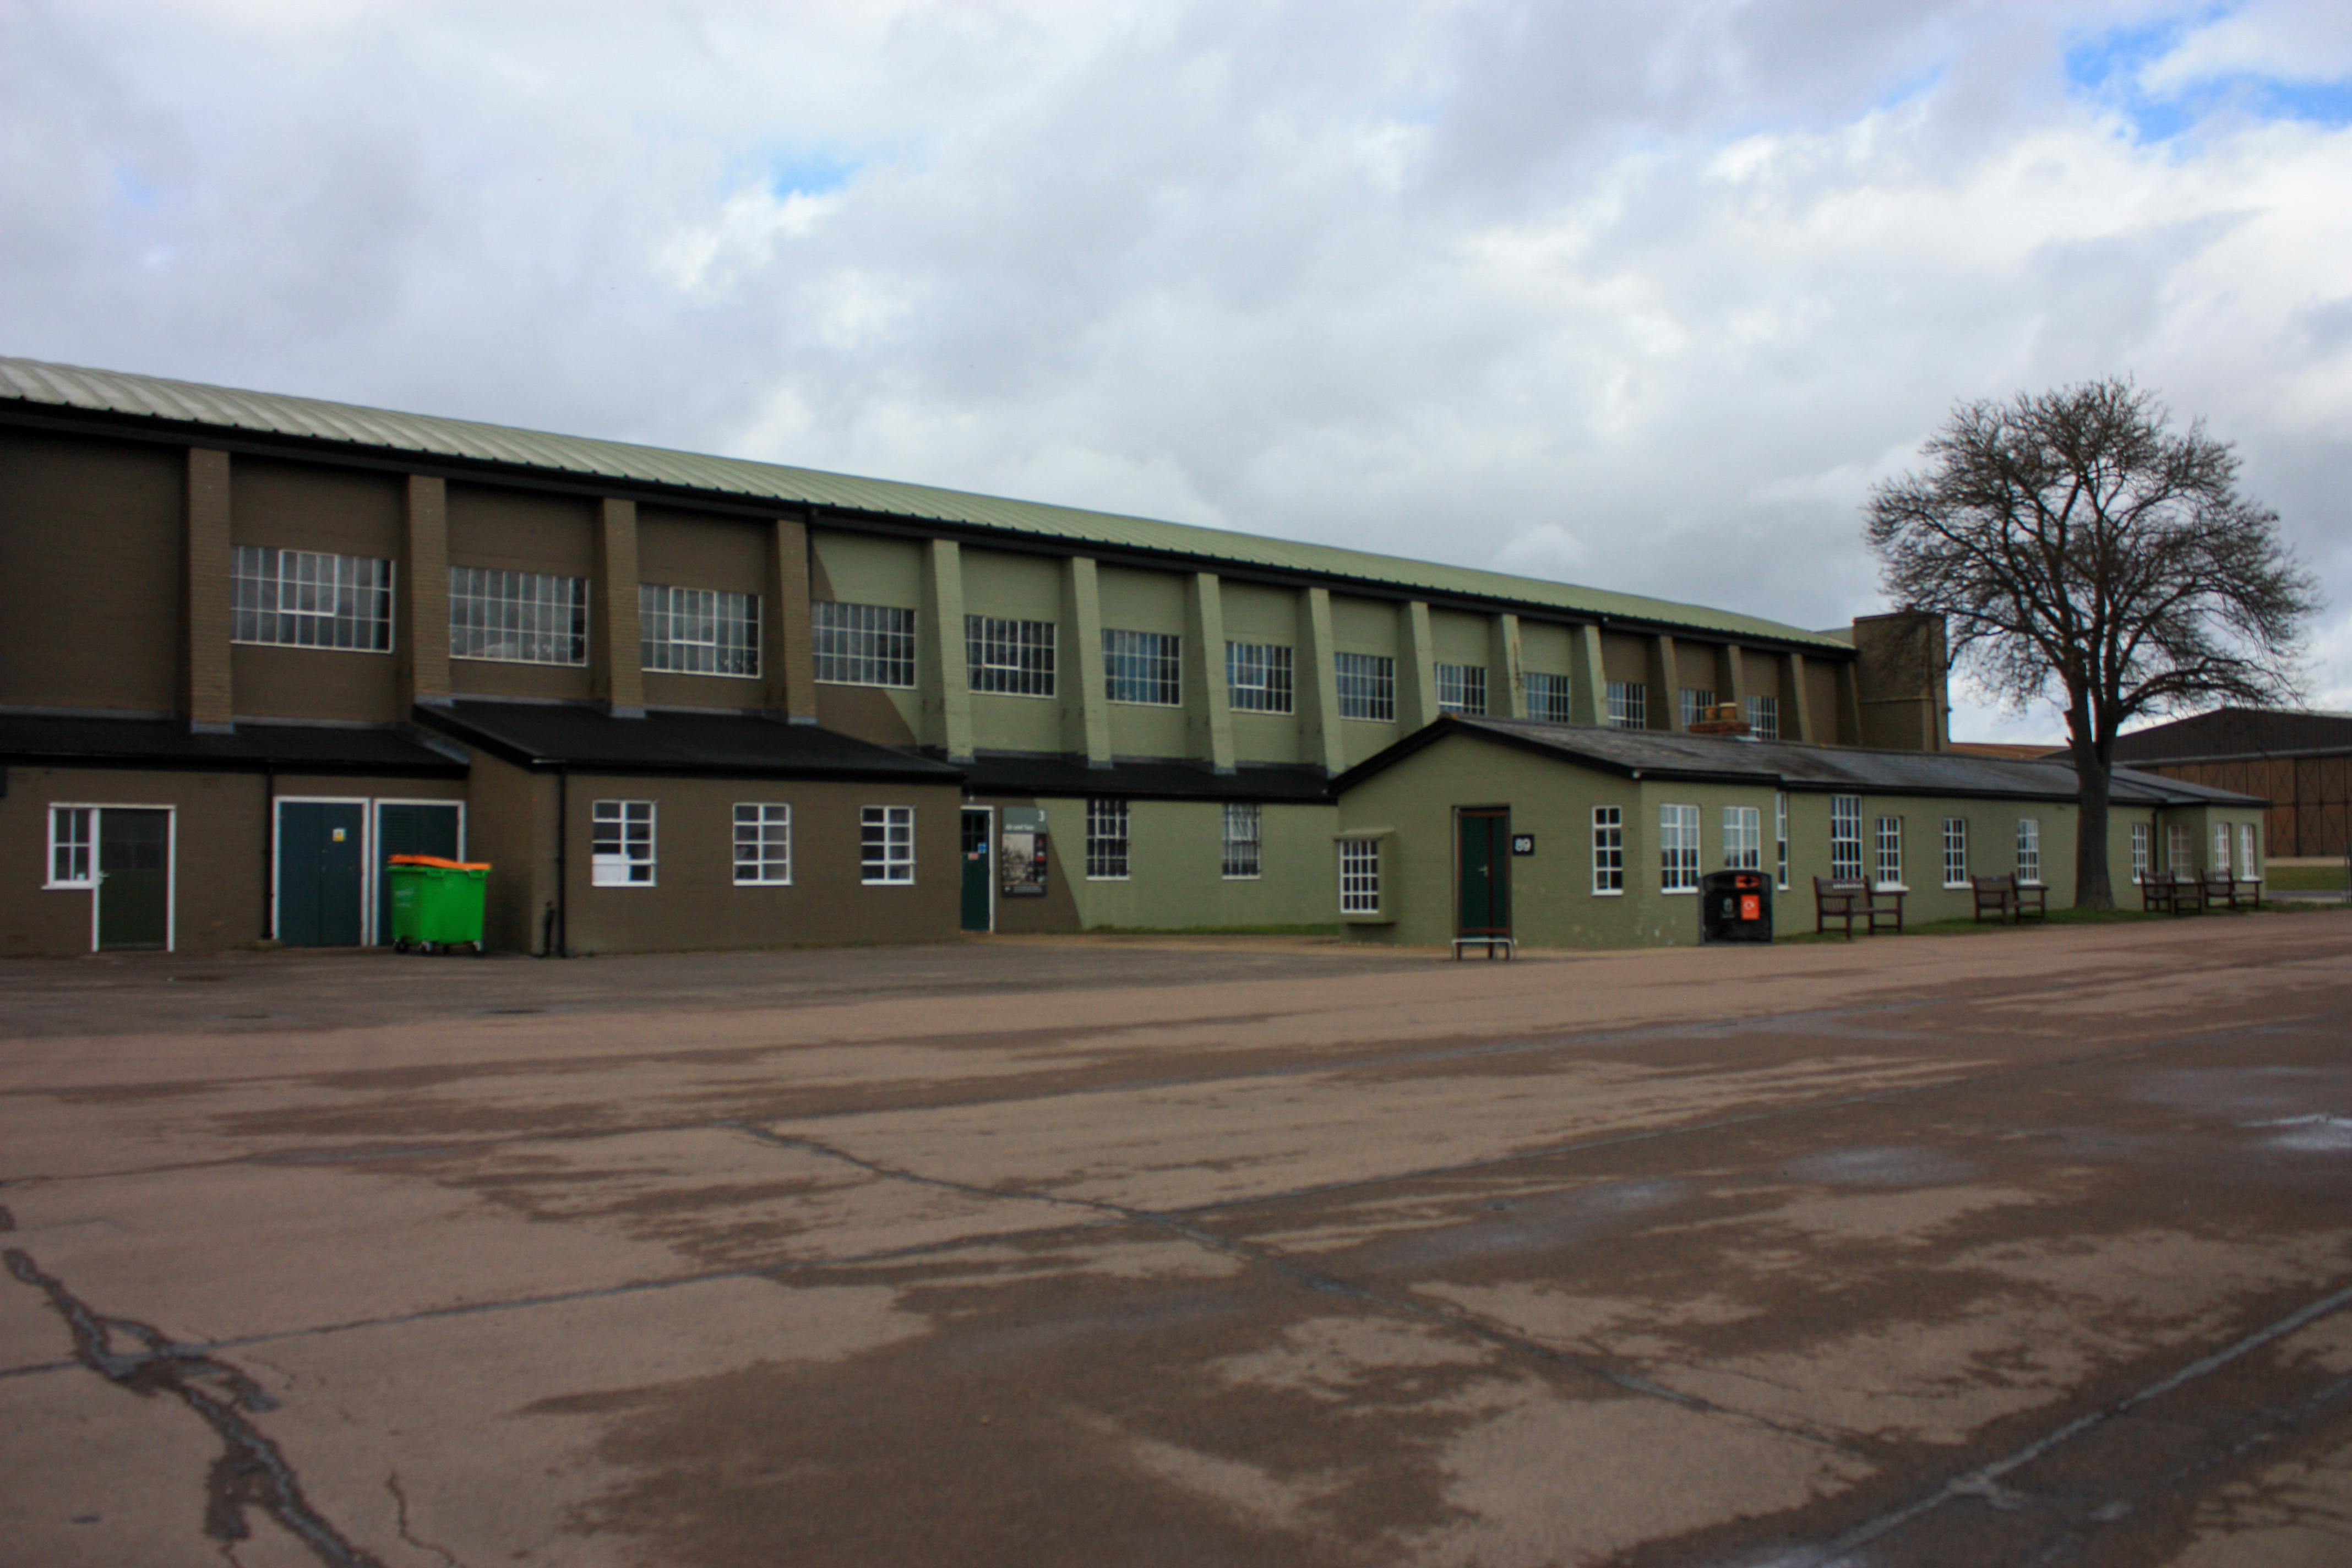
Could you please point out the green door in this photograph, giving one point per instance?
(134, 880)
(322, 880)
(1483, 906)
(408, 829)
(979, 870)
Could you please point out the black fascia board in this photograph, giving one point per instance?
(588, 761)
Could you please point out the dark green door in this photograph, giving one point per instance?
(1485, 903)
(408, 829)
(134, 879)
(320, 876)
(979, 870)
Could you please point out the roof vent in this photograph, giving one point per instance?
(1719, 718)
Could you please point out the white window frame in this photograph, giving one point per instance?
(1462, 689)
(2250, 860)
(1110, 839)
(1143, 670)
(1845, 838)
(616, 855)
(1360, 877)
(1550, 697)
(171, 862)
(2222, 848)
(2028, 850)
(1629, 705)
(862, 645)
(769, 823)
(1608, 852)
(1259, 677)
(1679, 846)
(2140, 848)
(1244, 841)
(85, 820)
(2180, 849)
(1743, 839)
(1764, 718)
(1695, 701)
(1956, 852)
(1781, 841)
(1888, 842)
(697, 631)
(1008, 657)
(1366, 683)
(275, 597)
(517, 617)
(886, 845)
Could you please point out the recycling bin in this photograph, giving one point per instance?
(1735, 906)
(435, 903)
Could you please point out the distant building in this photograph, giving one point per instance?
(2300, 763)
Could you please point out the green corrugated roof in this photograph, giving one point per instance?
(113, 392)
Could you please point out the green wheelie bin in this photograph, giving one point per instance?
(436, 904)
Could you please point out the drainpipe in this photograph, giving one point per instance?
(269, 854)
(561, 944)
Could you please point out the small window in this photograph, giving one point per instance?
(1696, 701)
(297, 598)
(517, 617)
(1629, 705)
(763, 844)
(886, 843)
(863, 645)
(1243, 826)
(71, 865)
(1780, 841)
(1462, 689)
(621, 849)
(1142, 666)
(1764, 718)
(2028, 850)
(699, 631)
(1890, 852)
(1367, 686)
(1743, 839)
(1012, 658)
(2249, 864)
(1608, 849)
(1360, 876)
(1106, 839)
(2179, 849)
(2139, 849)
(2222, 848)
(1258, 678)
(1678, 848)
(1846, 837)
(1548, 699)
(1956, 852)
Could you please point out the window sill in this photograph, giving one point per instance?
(1608, 893)
(68, 886)
(534, 663)
(1679, 892)
(886, 882)
(710, 674)
(821, 681)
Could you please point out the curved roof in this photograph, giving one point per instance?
(309, 419)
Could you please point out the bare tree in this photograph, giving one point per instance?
(2073, 540)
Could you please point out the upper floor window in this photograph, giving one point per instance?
(1014, 658)
(1548, 699)
(297, 598)
(1696, 701)
(1629, 705)
(700, 631)
(517, 617)
(1764, 718)
(1462, 689)
(1142, 666)
(1257, 677)
(1367, 686)
(863, 645)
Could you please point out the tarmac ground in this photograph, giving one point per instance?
(2021, 1248)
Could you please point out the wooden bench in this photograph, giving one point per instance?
(2174, 892)
(2009, 900)
(1511, 948)
(1851, 901)
(2221, 887)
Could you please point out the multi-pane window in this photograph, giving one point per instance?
(1696, 701)
(71, 865)
(1258, 678)
(1678, 848)
(1360, 876)
(1608, 849)
(2028, 850)
(699, 631)
(1956, 852)
(298, 598)
(1106, 840)
(1367, 686)
(1629, 705)
(2248, 864)
(2180, 849)
(863, 645)
(1142, 666)
(1780, 841)
(1764, 718)
(517, 617)
(1890, 852)
(1846, 837)
(1243, 840)
(1014, 658)
(1462, 689)
(2222, 848)
(2139, 849)
(764, 842)
(1743, 839)
(1548, 699)
(886, 843)
(621, 844)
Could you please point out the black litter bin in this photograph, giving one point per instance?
(1735, 906)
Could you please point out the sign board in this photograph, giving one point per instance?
(1523, 843)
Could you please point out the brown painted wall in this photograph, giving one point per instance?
(1066, 857)
(514, 531)
(89, 572)
(688, 551)
(219, 852)
(511, 822)
(316, 683)
(301, 506)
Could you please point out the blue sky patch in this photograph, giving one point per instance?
(2107, 68)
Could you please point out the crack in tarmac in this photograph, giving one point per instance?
(250, 1471)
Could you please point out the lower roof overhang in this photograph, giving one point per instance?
(550, 737)
(83, 741)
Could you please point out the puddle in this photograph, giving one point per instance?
(1884, 1165)
(2312, 1134)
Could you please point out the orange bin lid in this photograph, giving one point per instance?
(436, 860)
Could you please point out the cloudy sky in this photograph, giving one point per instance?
(1638, 296)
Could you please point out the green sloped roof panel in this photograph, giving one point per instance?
(113, 392)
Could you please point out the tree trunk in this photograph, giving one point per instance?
(2093, 885)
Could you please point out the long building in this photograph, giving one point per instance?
(252, 645)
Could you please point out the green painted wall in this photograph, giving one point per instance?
(1175, 867)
